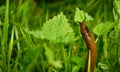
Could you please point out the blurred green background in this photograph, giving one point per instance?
(21, 51)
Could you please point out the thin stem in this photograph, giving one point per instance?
(64, 57)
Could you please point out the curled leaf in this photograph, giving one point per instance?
(80, 16)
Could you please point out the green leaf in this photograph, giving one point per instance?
(112, 34)
(37, 33)
(104, 28)
(58, 30)
(75, 69)
(117, 6)
(88, 17)
(57, 63)
(103, 66)
(50, 57)
(49, 54)
(30, 58)
(81, 16)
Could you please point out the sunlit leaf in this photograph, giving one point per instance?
(49, 54)
(81, 16)
(58, 30)
(103, 28)
(37, 34)
(117, 6)
(57, 64)
(50, 57)
(75, 69)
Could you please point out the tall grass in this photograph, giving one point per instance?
(4, 40)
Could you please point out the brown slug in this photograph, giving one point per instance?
(91, 45)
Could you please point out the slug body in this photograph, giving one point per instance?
(91, 45)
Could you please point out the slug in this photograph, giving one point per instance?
(91, 45)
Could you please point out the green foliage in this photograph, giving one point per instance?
(37, 33)
(104, 28)
(103, 66)
(32, 41)
(75, 60)
(117, 8)
(5, 37)
(81, 16)
(10, 48)
(51, 58)
(58, 30)
(2, 10)
(31, 58)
